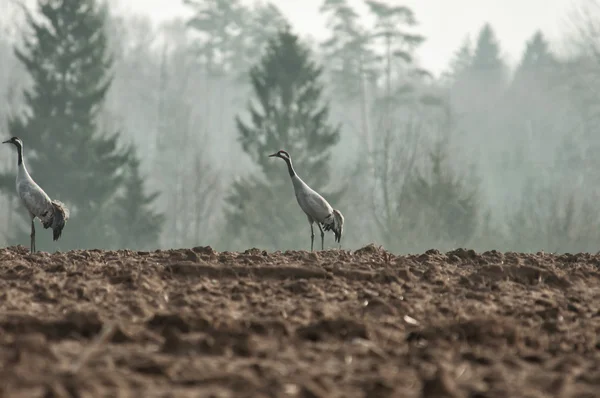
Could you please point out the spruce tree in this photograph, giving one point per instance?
(140, 225)
(487, 66)
(459, 63)
(287, 112)
(480, 96)
(538, 65)
(439, 206)
(68, 60)
(537, 112)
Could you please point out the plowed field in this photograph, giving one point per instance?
(198, 323)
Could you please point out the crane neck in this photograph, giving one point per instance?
(22, 172)
(290, 167)
(19, 153)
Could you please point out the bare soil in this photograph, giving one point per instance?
(197, 323)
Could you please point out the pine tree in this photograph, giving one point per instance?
(232, 34)
(351, 66)
(347, 49)
(393, 25)
(264, 22)
(221, 23)
(286, 113)
(68, 60)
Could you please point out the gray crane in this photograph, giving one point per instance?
(316, 208)
(51, 213)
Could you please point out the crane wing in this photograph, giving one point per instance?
(35, 200)
(315, 206)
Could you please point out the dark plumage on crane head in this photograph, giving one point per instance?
(281, 154)
(16, 141)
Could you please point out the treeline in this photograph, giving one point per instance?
(158, 137)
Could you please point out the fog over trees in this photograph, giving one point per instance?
(158, 136)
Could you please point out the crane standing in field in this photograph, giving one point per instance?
(51, 213)
(316, 208)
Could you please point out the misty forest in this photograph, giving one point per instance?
(159, 136)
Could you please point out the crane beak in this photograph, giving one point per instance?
(275, 154)
(6, 142)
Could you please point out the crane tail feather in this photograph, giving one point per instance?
(335, 223)
(59, 218)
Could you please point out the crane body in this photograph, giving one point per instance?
(52, 213)
(316, 208)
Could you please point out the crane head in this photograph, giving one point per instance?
(16, 141)
(281, 154)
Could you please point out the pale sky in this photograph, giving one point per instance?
(445, 23)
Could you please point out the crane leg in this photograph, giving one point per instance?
(322, 237)
(312, 237)
(32, 243)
